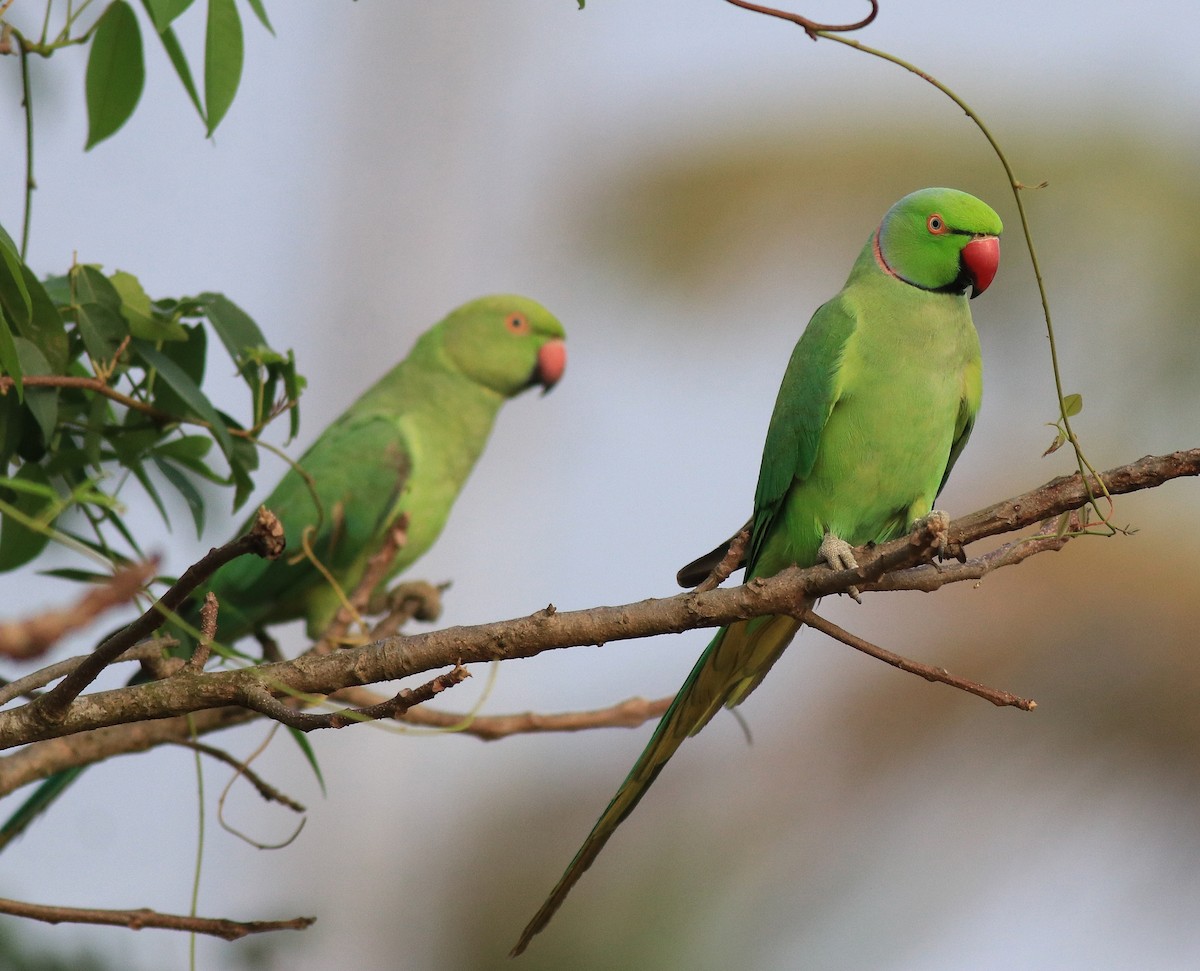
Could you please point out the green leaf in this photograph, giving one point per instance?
(244, 461)
(42, 402)
(14, 294)
(183, 485)
(1059, 441)
(58, 289)
(179, 61)
(222, 60)
(138, 311)
(7, 241)
(307, 749)
(76, 576)
(191, 356)
(164, 12)
(188, 450)
(12, 428)
(187, 389)
(235, 327)
(18, 543)
(10, 364)
(90, 285)
(1072, 405)
(261, 13)
(45, 326)
(101, 328)
(115, 72)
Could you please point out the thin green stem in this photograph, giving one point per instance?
(27, 102)
(46, 22)
(1081, 460)
(199, 846)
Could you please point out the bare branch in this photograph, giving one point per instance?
(259, 699)
(143, 652)
(264, 539)
(729, 562)
(630, 713)
(208, 632)
(265, 789)
(230, 930)
(35, 635)
(112, 721)
(810, 26)
(928, 672)
(376, 571)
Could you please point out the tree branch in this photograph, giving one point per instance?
(264, 539)
(115, 721)
(230, 930)
(33, 636)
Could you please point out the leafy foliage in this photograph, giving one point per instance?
(100, 384)
(116, 71)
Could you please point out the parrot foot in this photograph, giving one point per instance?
(937, 523)
(840, 556)
(410, 600)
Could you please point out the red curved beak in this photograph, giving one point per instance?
(551, 362)
(981, 257)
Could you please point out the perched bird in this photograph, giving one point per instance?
(403, 449)
(875, 407)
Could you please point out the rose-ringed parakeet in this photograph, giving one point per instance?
(875, 407)
(403, 449)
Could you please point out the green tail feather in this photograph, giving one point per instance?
(732, 666)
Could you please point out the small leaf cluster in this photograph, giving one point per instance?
(116, 71)
(1071, 406)
(101, 385)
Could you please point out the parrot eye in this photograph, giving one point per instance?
(936, 224)
(517, 323)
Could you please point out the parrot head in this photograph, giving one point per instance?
(941, 240)
(506, 343)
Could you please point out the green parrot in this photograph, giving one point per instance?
(875, 407)
(404, 448)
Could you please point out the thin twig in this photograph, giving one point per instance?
(811, 27)
(106, 390)
(926, 671)
(244, 769)
(258, 698)
(264, 539)
(630, 713)
(33, 636)
(140, 919)
(731, 561)
(208, 633)
(265, 789)
(354, 606)
(143, 652)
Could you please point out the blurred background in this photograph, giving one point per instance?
(682, 183)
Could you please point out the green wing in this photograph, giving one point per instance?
(346, 497)
(810, 389)
(968, 408)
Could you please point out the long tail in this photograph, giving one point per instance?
(730, 668)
